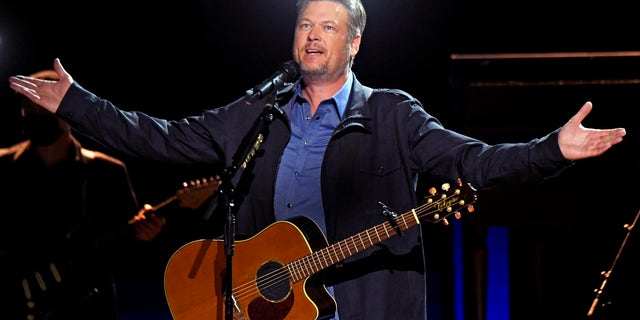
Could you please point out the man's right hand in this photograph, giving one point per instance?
(46, 93)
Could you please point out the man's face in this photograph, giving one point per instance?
(321, 45)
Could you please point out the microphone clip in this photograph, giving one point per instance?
(287, 72)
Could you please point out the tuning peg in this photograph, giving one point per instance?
(446, 186)
(445, 221)
(471, 208)
(457, 215)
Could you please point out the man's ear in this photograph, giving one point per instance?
(355, 45)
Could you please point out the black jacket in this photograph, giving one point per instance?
(375, 155)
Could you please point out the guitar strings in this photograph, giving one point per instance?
(306, 266)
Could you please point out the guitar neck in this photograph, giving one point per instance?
(303, 268)
(433, 210)
(192, 195)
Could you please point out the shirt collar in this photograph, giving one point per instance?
(341, 97)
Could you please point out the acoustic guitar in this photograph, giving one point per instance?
(273, 271)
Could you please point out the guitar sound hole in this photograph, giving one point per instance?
(273, 281)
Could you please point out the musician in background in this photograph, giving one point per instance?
(71, 221)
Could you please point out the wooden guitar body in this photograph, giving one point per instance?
(262, 290)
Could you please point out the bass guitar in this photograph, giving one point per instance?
(273, 270)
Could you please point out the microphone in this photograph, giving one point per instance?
(288, 72)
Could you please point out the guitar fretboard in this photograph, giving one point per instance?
(432, 210)
(307, 266)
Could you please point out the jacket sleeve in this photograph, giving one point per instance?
(185, 141)
(449, 154)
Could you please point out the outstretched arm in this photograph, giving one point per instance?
(46, 93)
(577, 142)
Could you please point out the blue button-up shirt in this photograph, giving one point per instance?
(298, 188)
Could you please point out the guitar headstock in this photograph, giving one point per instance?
(448, 200)
(194, 193)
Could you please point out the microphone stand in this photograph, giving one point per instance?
(247, 149)
(607, 274)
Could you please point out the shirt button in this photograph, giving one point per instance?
(289, 205)
(297, 173)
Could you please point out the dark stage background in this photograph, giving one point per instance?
(175, 58)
